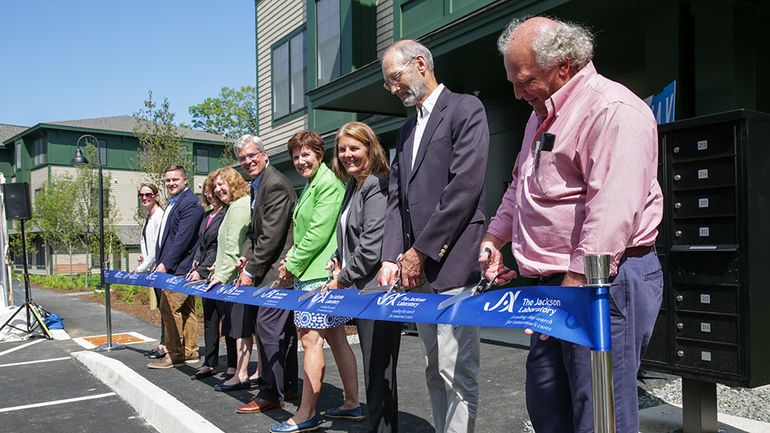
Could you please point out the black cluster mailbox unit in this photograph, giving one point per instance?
(714, 245)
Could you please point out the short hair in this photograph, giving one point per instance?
(176, 167)
(307, 138)
(246, 139)
(363, 133)
(554, 44)
(408, 49)
(238, 187)
(208, 186)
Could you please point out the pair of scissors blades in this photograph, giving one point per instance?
(481, 287)
(388, 287)
(318, 290)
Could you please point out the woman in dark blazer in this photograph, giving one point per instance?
(361, 162)
(203, 260)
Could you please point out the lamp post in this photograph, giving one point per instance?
(80, 158)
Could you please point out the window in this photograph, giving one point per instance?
(38, 151)
(39, 258)
(102, 145)
(37, 193)
(289, 76)
(328, 37)
(18, 155)
(201, 160)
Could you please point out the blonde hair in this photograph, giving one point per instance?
(238, 187)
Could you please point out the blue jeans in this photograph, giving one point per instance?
(559, 397)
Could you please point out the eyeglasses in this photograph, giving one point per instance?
(396, 76)
(145, 195)
(249, 156)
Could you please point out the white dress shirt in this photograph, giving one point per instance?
(423, 114)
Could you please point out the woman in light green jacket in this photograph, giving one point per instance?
(238, 321)
(315, 221)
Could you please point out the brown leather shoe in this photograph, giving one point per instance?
(164, 362)
(291, 396)
(258, 405)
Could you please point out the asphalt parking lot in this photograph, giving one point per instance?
(45, 390)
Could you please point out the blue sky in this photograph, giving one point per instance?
(79, 59)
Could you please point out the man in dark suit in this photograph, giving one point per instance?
(435, 219)
(267, 242)
(176, 241)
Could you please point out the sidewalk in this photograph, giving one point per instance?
(501, 405)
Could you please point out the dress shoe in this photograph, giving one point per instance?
(202, 375)
(155, 354)
(227, 376)
(257, 382)
(290, 396)
(164, 362)
(312, 424)
(258, 405)
(221, 387)
(353, 414)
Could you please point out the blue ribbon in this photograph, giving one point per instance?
(576, 314)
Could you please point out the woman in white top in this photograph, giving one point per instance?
(148, 195)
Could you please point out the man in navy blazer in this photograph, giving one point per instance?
(435, 219)
(177, 236)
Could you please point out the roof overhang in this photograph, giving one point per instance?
(361, 91)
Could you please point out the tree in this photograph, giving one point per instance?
(232, 114)
(53, 215)
(160, 142)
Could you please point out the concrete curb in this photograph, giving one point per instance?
(159, 408)
(668, 418)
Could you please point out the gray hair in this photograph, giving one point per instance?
(246, 139)
(409, 49)
(554, 44)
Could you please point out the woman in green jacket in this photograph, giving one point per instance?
(315, 220)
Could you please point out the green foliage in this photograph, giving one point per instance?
(63, 282)
(15, 240)
(160, 142)
(55, 213)
(231, 114)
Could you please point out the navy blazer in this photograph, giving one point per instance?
(176, 244)
(437, 206)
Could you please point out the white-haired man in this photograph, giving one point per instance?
(584, 182)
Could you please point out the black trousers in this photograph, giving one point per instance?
(213, 311)
(158, 293)
(277, 339)
(380, 343)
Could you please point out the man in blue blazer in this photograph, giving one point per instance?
(435, 219)
(177, 236)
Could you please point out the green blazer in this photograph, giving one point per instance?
(315, 223)
(232, 234)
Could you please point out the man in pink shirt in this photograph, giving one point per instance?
(584, 182)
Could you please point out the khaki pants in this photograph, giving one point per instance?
(177, 312)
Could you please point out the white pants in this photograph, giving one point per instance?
(451, 372)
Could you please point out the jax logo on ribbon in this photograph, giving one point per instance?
(504, 304)
(390, 298)
(320, 297)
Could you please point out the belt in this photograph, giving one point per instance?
(637, 251)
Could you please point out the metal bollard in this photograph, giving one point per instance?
(597, 270)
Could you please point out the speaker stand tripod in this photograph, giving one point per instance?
(34, 311)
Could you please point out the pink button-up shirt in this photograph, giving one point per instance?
(595, 192)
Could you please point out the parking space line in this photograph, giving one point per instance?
(55, 402)
(13, 364)
(5, 352)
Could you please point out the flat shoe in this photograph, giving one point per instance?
(227, 376)
(202, 375)
(258, 405)
(312, 424)
(221, 387)
(354, 414)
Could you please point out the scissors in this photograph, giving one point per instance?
(387, 288)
